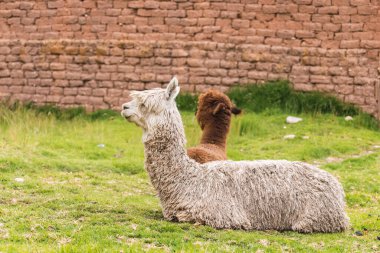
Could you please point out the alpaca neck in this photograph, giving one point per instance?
(216, 134)
(165, 156)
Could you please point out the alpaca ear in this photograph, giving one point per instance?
(172, 89)
(218, 108)
(235, 110)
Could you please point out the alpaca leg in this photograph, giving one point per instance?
(304, 225)
(322, 222)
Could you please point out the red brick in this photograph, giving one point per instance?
(358, 71)
(258, 75)
(346, 10)
(55, 4)
(285, 34)
(339, 19)
(136, 4)
(5, 73)
(349, 44)
(344, 89)
(321, 2)
(352, 27)
(213, 80)
(206, 21)
(340, 80)
(179, 53)
(273, 41)
(341, 2)
(152, 4)
(366, 10)
(321, 18)
(148, 77)
(270, 9)
(331, 27)
(362, 80)
(359, 100)
(4, 50)
(370, 44)
(301, 16)
(103, 76)
(305, 34)
(307, 9)
(168, 5)
(177, 13)
(218, 72)
(162, 61)
(328, 10)
(320, 79)
(337, 71)
(100, 92)
(359, 2)
(195, 62)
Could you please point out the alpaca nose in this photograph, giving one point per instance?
(125, 107)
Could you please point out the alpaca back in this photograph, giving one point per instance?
(204, 153)
(263, 195)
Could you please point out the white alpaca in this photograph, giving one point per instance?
(261, 195)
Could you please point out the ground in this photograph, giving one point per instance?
(79, 185)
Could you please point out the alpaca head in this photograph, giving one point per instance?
(153, 109)
(215, 107)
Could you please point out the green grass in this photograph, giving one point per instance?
(81, 197)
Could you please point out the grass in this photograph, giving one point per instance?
(79, 196)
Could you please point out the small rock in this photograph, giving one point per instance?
(293, 120)
(358, 233)
(333, 159)
(64, 240)
(101, 145)
(289, 136)
(376, 146)
(348, 118)
(305, 137)
(134, 226)
(264, 242)
(19, 180)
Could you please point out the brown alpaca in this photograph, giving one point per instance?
(214, 117)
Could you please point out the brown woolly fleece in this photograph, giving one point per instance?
(214, 117)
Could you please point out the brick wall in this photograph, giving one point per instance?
(91, 53)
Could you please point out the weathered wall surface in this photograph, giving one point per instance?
(92, 53)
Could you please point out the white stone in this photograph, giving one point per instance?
(101, 145)
(348, 118)
(289, 136)
(305, 137)
(19, 179)
(293, 120)
(331, 159)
